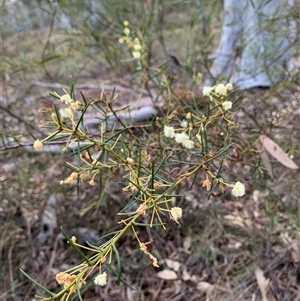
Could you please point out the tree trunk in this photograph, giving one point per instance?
(256, 47)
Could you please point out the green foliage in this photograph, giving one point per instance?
(194, 140)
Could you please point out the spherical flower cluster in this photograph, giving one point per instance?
(176, 213)
(169, 131)
(238, 189)
(66, 99)
(130, 161)
(227, 105)
(183, 139)
(66, 113)
(101, 279)
(207, 90)
(133, 43)
(38, 145)
(229, 86)
(183, 123)
(221, 89)
(126, 31)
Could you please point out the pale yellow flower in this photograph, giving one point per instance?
(130, 161)
(176, 213)
(126, 31)
(66, 113)
(137, 47)
(221, 89)
(181, 138)
(188, 115)
(38, 145)
(207, 90)
(126, 23)
(121, 40)
(229, 86)
(238, 189)
(227, 105)
(136, 55)
(101, 279)
(169, 131)
(188, 144)
(183, 123)
(66, 98)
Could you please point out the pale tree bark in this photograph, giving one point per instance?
(256, 47)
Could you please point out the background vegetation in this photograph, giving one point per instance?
(47, 46)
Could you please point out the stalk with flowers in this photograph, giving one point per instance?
(152, 168)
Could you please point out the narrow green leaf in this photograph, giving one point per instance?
(82, 114)
(119, 265)
(36, 283)
(57, 114)
(121, 278)
(72, 92)
(74, 247)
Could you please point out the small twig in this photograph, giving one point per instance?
(29, 144)
(11, 276)
(84, 86)
(20, 119)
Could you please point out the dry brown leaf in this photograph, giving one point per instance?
(263, 283)
(187, 242)
(167, 274)
(172, 264)
(185, 275)
(267, 164)
(231, 220)
(294, 248)
(277, 152)
(205, 287)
